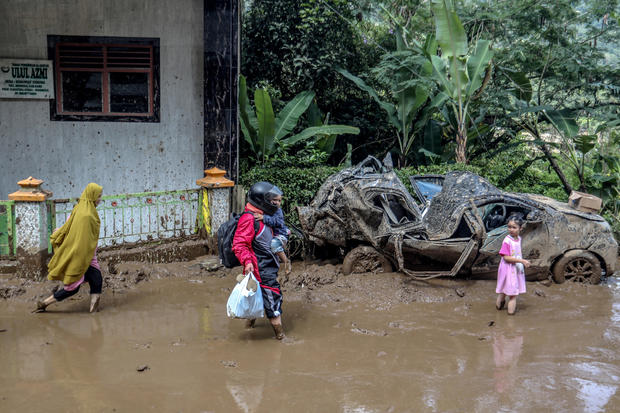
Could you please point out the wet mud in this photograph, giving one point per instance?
(368, 342)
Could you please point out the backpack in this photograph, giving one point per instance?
(225, 235)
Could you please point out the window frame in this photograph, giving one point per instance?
(56, 105)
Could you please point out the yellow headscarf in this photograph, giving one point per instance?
(74, 243)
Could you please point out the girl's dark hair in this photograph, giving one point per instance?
(517, 218)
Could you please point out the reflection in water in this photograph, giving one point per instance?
(506, 352)
(247, 396)
(248, 391)
(594, 395)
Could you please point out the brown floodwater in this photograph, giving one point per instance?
(359, 343)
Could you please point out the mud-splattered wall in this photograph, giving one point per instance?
(121, 156)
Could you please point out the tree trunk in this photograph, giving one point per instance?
(461, 146)
(567, 187)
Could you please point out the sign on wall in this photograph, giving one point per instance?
(26, 79)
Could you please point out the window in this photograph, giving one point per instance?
(105, 78)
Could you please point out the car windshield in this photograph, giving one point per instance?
(426, 187)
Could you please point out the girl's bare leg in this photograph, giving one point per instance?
(499, 303)
(512, 305)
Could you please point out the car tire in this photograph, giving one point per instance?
(365, 259)
(578, 266)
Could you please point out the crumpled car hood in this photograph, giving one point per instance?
(446, 208)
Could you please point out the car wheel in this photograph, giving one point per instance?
(365, 259)
(578, 266)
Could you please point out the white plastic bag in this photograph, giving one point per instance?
(246, 301)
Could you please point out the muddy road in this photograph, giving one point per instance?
(358, 343)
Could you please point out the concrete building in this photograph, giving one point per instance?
(144, 93)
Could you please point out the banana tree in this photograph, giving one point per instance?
(460, 74)
(265, 131)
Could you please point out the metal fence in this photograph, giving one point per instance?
(7, 228)
(130, 218)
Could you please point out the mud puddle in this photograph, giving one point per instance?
(358, 343)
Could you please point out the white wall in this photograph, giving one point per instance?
(121, 156)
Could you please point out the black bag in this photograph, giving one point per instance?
(225, 235)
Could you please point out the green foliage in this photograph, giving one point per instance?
(555, 77)
(266, 132)
(294, 46)
(458, 71)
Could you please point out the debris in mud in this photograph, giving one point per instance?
(142, 346)
(312, 276)
(142, 368)
(491, 323)
(540, 293)
(2, 330)
(358, 330)
(228, 363)
(547, 282)
(179, 342)
(460, 292)
(211, 264)
(12, 291)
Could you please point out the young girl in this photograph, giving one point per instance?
(511, 274)
(75, 251)
(280, 231)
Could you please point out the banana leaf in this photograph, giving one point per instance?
(477, 65)
(266, 121)
(288, 117)
(564, 122)
(317, 130)
(389, 108)
(246, 114)
(523, 86)
(449, 30)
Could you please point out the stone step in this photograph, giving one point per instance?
(8, 267)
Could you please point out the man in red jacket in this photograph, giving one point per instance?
(253, 249)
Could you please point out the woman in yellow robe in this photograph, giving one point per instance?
(75, 251)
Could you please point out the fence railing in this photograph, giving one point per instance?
(7, 229)
(130, 218)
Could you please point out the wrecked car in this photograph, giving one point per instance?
(449, 225)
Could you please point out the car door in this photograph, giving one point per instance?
(534, 236)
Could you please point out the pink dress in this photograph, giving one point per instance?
(510, 279)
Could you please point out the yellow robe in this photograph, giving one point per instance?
(74, 243)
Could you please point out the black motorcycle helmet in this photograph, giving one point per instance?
(261, 194)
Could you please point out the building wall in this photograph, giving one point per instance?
(121, 156)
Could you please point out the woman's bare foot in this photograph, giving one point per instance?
(42, 305)
(94, 302)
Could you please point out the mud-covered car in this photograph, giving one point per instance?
(449, 225)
